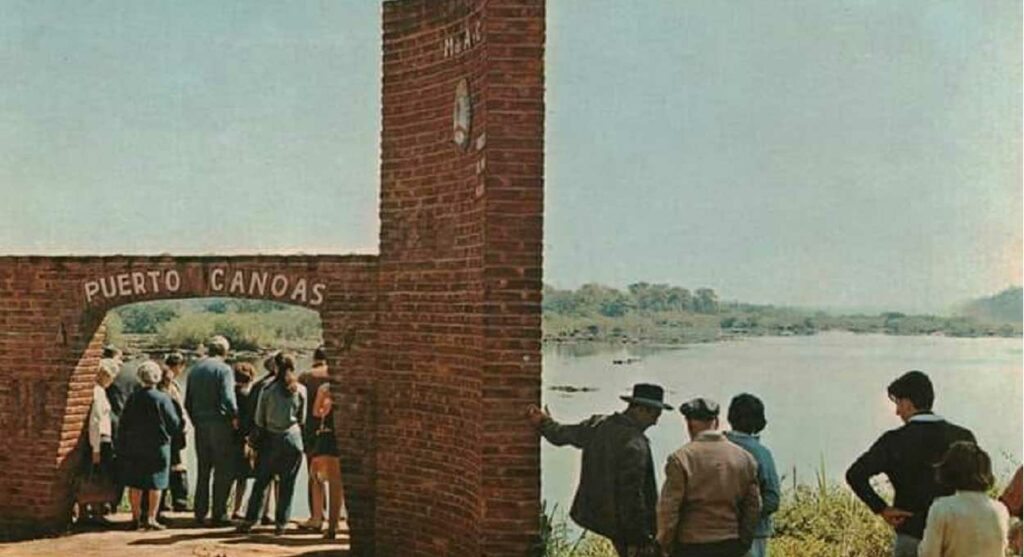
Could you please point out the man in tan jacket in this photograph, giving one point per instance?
(710, 503)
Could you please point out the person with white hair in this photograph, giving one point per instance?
(100, 458)
(211, 405)
(100, 432)
(148, 423)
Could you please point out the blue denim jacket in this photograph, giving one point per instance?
(767, 478)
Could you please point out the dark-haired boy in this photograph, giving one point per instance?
(747, 420)
(907, 456)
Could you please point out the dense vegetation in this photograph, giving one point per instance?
(825, 520)
(247, 324)
(664, 314)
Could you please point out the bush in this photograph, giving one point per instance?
(145, 318)
(828, 520)
(245, 331)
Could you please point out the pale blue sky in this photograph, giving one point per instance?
(862, 153)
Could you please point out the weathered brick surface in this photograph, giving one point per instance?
(52, 338)
(435, 343)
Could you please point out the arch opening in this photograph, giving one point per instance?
(255, 328)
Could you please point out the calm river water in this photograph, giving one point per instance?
(825, 394)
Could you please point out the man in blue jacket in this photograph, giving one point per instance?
(211, 405)
(907, 456)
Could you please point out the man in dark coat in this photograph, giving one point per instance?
(907, 456)
(617, 495)
(210, 403)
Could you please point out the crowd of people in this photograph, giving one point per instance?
(243, 428)
(721, 488)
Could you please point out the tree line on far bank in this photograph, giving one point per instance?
(663, 313)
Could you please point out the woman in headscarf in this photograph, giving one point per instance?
(148, 424)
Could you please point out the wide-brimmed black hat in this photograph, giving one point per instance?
(648, 395)
(700, 408)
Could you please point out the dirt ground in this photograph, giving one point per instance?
(182, 539)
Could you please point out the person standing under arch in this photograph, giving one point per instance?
(176, 496)
(210, 403)
(280, 412)
(312, 381)
(148, 424)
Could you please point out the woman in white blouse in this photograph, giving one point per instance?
(99, 417)
(968, 523)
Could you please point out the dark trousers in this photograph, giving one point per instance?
(281, 456)
(725, 548)
(214, 453)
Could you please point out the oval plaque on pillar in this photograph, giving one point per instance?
(462, 115)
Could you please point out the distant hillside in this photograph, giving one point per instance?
(1004, 307)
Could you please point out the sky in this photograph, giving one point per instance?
(856, 154)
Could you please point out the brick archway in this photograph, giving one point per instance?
(445, 321)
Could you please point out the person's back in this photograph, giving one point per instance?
(617, 494)
(907, 456)
(747, 419)
(125, 383)
(969, 523)
(149, 420)
(973, 525)
(719, 474)
(210, 395)
(211, 405)
(595, 506)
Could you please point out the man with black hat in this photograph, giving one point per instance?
(617, 495)
(710, 503)
(907, 456)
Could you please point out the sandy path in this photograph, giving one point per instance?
(181, 539)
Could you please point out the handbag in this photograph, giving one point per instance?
(95, 487)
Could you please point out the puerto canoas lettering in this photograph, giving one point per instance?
(220, 281)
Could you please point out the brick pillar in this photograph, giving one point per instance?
(459, 335)
(514, 196)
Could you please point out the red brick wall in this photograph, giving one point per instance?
(51, 341)
(458, 467)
